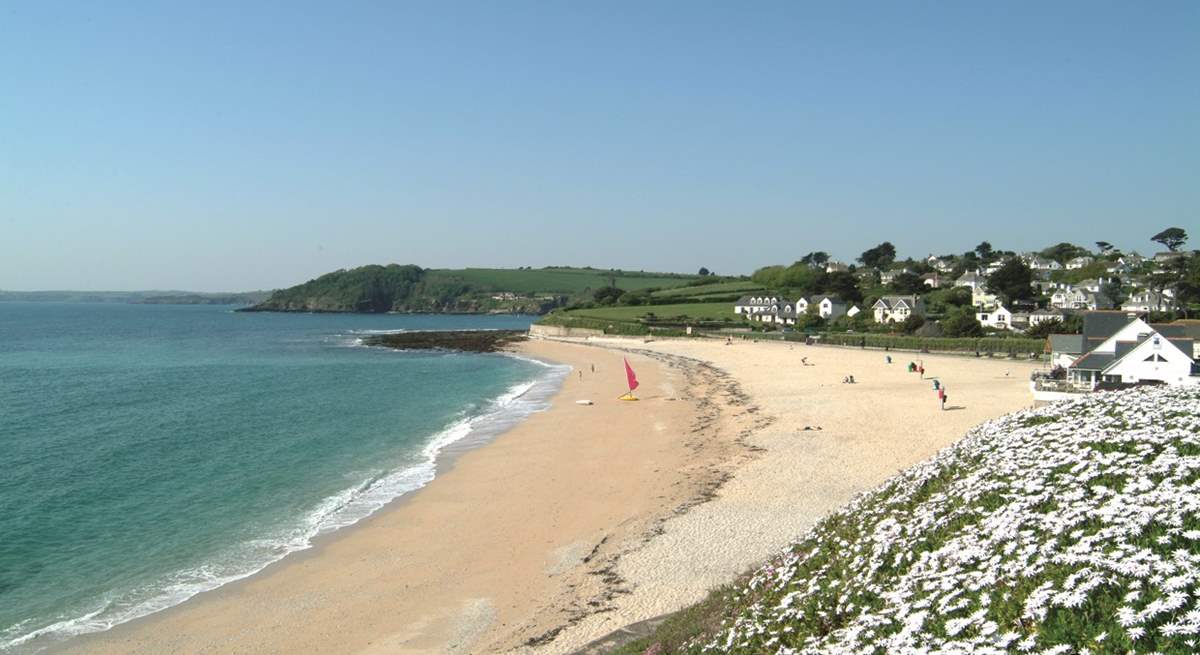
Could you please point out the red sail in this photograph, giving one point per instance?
(633, 383)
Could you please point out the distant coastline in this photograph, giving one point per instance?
(149, 297)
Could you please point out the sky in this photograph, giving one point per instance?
(227, 146)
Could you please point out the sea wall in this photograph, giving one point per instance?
(560, 331)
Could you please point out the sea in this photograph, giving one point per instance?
(149, 453)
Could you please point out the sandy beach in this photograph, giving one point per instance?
(584, 519)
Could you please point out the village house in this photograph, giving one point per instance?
(999, 318)
(1038, 263)
(1118, 350)
(1079, 262)
(1145, 301)
(829, 307)
(1136, 353)
(981, 297)
(932, 280)
(971, 279)
(940, 264)
(1040, 316)
(895, 309)
(835, 267)
(752, 305)
(889, 276)
(1067, 297)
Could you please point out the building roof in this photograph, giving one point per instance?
(1102, 325)
(1095, 361)
(1068, 343)
(1186, 327)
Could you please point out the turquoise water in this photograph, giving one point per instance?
(148, 453)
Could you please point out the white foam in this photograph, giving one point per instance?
(342, 509)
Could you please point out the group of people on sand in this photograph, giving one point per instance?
(918, 367)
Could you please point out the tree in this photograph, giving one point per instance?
(985, 252)
(908, 283)
(843, 285)
(1012, 281)
(961, 322)
(1104, 247)
(703, 272)
(880, 257)
(607, 295)
(1172, 238)
(1063, 252)
(912, 323)
(816, 259)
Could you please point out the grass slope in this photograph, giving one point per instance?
(703, 311)
(564, 281)
(1074, 528)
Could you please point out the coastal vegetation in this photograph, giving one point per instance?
(1068, 529)
(408, 288)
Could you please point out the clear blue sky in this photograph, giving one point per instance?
(222, 146)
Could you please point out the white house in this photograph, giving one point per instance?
(932, 280)
(889, 276)
(834, 267)
(1079, 262)
(751, 305)
(1038, 263)
(829, 307)
(1149, 301)
(971, 279)
(1135, 354)
(1067, 297)
(981, 297)
(1046, 315)
(895, 309)
(939, 263)
(999, 318)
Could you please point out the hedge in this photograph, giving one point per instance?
(944, 344)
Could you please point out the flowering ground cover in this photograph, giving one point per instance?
(1074, 528)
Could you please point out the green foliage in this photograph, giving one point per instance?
(695, 311)
(373, 289)
(607, 295)
(1002, 345)
(1172, 238)
(1012, 281)
(394, 287)
(842, 284)
(879, 257)
(1072, 325)
(940, 301)
(912, 323)
(908, 283)
(1064, 252)
(961, 322)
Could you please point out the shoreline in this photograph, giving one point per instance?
(481, 429)
(557, 564)
(197, 616)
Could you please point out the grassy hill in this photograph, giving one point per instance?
(1074, 528)
(376, 289)
(699, 311)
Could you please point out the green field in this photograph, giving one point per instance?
(737, 287)
(715, 311)
(564, 281)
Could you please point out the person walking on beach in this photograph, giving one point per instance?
(921, 370)
(942, 397)
(593, 368)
